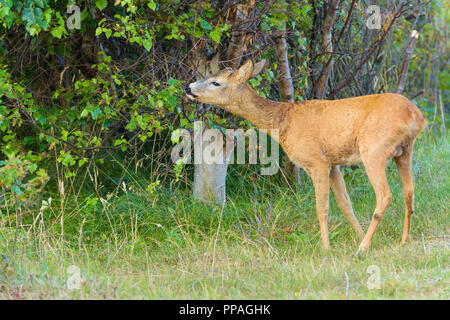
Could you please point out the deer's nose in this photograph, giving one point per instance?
(188, 91)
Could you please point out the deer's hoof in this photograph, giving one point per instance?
(404, 240)
(362, 251)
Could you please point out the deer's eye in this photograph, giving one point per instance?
(215, 84)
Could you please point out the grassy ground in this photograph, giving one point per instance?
(264, 244)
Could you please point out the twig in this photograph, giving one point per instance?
(417, 94)
(371, 51)
(347, 284)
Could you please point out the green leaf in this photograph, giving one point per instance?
(65, 133)
(8, 137)
(152, 5)
(39, 3)
(96, 112)
(216, 34)
(82, 161)
(205, 25)
(107, 32)
(32, 167)
(101, 4)
(57, 33)
(28, 16)
(147, 44)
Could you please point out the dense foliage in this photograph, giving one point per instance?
(75, 100)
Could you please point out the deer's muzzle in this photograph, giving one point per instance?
(189, 92)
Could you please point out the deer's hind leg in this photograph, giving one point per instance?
(375, 164)
(343, 200)
(403, 163)
(321, 180)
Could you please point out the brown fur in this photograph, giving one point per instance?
(321, 135)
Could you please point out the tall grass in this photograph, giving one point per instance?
(131, 241)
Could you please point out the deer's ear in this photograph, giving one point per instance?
(215, 64)
(244, 72)
(257, 68)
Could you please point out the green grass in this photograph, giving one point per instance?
(264, 244)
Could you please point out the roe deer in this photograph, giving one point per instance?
(321, 135)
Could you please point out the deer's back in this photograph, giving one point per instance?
(338, 129)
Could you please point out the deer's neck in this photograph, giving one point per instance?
(261, 112)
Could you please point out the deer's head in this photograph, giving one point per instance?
(225, 86)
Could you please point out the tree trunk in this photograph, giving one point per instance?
(237, 41)
(406, 61)
(281, 51)
(441, 104)
(286, 89)
(210, 182)
(210, 179)
(327, 47)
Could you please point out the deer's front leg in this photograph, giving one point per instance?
(320, 178)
